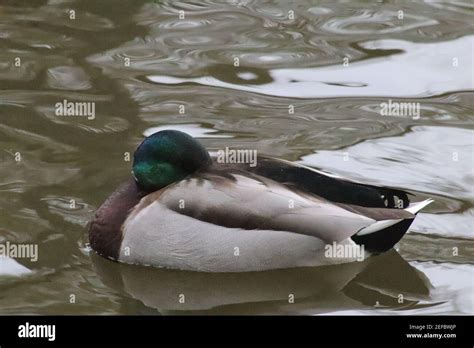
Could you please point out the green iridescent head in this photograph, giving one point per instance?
(165, 157)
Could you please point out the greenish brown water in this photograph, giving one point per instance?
(139, 63)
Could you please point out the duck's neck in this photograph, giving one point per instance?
(105, 231)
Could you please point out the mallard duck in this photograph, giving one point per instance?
(183, 209)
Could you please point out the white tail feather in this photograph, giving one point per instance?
(416, 207)
(377, 226)
(413, 208)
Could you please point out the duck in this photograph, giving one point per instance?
(187, 210)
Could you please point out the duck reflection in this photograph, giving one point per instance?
(386, 280)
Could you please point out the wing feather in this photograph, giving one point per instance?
(252, 202)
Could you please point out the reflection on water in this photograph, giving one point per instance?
(427, 67)
(146, 69)
(408, 162)
(374, 282)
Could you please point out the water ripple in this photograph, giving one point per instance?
(296, 80)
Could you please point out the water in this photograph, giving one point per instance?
(140, 64)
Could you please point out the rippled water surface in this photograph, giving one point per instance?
(146, 69)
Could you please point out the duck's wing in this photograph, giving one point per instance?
(238, 199)
(331, 187)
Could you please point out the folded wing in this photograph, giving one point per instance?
(247, 201)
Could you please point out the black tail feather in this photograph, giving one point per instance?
(385, 239)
